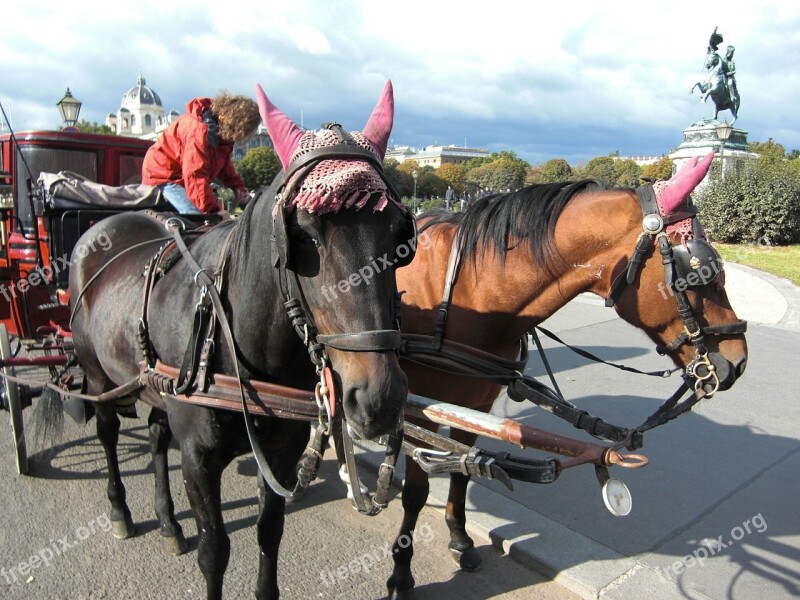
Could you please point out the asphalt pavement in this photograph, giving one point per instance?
(715, 513)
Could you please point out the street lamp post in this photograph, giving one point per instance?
(415, 175)
(723, 133)
(70, 108)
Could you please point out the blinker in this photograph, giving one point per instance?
(697, 262)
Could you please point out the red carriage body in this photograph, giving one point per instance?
(37, 237)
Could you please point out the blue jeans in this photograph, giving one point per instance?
(176, 195)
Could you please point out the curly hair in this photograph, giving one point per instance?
(238, 116)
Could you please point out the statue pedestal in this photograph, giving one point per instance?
(701, 138)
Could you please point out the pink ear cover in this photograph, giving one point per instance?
(677, 189)
(282, 130)
(379, 124)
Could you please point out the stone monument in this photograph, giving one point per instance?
(719, 84)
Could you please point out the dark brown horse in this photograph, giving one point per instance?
(303, 239)
(525, 255)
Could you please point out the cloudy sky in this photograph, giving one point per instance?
(568, 80)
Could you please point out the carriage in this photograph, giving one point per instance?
(45, 224)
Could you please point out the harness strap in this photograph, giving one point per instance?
(202, 278)
(364, 341)
(453, 264)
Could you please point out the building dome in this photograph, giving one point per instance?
(140, 95)
(140, 114)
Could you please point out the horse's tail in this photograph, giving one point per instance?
(48, 418)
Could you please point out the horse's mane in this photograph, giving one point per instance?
(494, 222)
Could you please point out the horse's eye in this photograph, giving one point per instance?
(301, 237)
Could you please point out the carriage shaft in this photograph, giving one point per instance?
(55, 360)
(508, 430)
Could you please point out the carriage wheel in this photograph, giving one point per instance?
(11, 391)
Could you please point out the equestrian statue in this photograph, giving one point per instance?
(720, 79)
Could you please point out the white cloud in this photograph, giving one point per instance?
(506, 73)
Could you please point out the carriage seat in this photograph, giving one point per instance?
(70, 204)
(65, 190)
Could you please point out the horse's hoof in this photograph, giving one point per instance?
(400, 584)
(468, 560)
(123, 530)
(176, 544)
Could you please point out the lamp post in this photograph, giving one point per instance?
(70, 108)
(415, 175)
(723, 133)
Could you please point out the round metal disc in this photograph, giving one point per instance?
(617, 498)
(14, 406)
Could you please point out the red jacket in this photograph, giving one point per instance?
(190, 153)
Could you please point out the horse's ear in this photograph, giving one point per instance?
(379, 124)
(678, 188)
(283, 132)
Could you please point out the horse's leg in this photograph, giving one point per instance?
(202, 472)
(271, 515)
(415, 494)
(108, 432)
(461, 545)
(160, 437)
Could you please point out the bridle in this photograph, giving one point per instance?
(693, 264)
(301, 316)
(295, 303)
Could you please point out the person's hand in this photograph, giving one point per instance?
(223, 214)
(242, 198)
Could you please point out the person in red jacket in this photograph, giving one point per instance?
(196, 149)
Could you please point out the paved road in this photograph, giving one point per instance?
(59, 513)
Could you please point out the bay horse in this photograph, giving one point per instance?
(326, 216)
(524, 255)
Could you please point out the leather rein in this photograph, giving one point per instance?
(438, 353)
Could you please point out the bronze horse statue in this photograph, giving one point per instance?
(324, 218)
(716, 86)
(525, 254)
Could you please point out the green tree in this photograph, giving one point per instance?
(770, 150)
(601, 167)
(629, 174)
(259, 167)
(452, 175)
(401, 180)
(556, 170)
(502, 171)
(85, 126)
(661, 170)
(534, 175)
(760, 204)
(429, 184)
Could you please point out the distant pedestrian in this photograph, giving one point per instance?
(449, 197)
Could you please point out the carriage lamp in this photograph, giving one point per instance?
(70, 108)
(723, 133)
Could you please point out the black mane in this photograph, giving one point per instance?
(530, 213)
